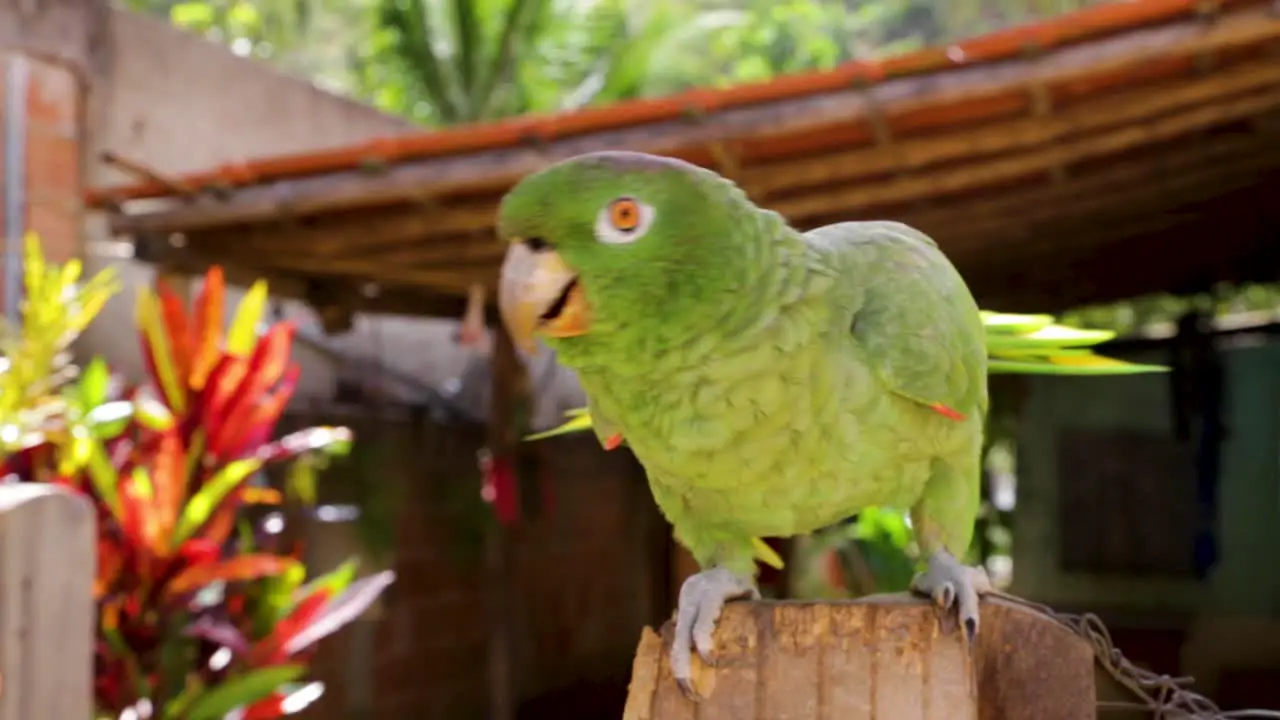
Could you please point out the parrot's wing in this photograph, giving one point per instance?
(606, 430)
(915, 319)
(582, 419)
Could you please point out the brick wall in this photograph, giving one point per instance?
(54, 131)
(583, 579)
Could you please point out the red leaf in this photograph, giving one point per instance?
(223, 521)
(219, 394)
(110, 563)
(206, 338)
(344, 609)
(237, 569)
(266, 709)
(267, 366)
(198, 550)
(137, 517)
(247, 435)
(176, 325)
(169, 477)
(270, 650)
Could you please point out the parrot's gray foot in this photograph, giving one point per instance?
(952, 584)
(702, 597)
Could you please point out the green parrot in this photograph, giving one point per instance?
(771, 382)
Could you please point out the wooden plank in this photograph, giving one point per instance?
(494, 169)
(1009, 168)
(48, 619)
(1012, 135)
(879, 657)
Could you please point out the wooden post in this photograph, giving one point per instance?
(48, 548)
(884, 656)
(505, 409)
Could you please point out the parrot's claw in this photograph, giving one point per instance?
(702, 597)
(953, 585)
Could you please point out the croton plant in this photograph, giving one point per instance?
(199, 619)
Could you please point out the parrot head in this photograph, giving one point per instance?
(614, 244)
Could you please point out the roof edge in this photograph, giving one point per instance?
(1065, 30)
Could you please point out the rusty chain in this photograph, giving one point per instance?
(1165, 697)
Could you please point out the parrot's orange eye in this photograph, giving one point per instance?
(623, 221)
(624, 214)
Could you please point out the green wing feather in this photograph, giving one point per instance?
(1016, 345)
(1037, 345)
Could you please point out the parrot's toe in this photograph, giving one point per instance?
(953, 585)
(702, 597)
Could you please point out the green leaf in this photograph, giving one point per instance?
(302, 480)
(94, 383)
(194, 15)
(206, 500)
(241, 690)
(152, 414)
(103, 476)
(335, 581)
(109, 419)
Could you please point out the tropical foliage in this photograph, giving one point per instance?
(198, 616)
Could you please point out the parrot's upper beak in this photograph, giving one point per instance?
(539, 294)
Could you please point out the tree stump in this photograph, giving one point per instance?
(884, 657)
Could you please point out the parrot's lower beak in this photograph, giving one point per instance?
(538, 294)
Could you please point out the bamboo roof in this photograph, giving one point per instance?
(1127, 148)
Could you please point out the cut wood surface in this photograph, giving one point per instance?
(885, 657)
(47, 613)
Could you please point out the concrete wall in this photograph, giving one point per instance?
(1248, 501)
(1200, 625)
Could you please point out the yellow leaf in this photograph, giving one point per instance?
(153, 328)
(243, 333)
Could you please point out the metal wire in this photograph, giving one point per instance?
(1165, 697)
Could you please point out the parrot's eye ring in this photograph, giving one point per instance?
(623, 220)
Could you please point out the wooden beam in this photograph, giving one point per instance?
(1167, 49)
(1008, 204)
(1041, 213)
(1007, 169)
(311, 288)
(366, 234)
(1130, 267)
(1010, 136)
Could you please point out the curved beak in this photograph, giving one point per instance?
(538, 294)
